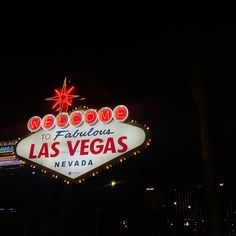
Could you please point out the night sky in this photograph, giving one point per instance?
(148, 69)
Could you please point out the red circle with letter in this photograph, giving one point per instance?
(120, 113)
(48, 122)
(105, 115)
(62, 120)
(34, 123)
(76, 118)
(90, 116)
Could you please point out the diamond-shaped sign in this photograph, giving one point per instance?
(81, 143)
(78, 151)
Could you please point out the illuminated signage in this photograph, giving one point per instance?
(83, 142)
(6, 149)
(7, 156)
(76, 118)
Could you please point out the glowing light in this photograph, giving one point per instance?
(90, 116)
(150, 189)
(105, 115)
(120, 113)
(63, 98)
(186, 224)
(113, 183)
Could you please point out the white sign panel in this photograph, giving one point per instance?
(76, 151)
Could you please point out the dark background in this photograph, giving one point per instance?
(148, 68)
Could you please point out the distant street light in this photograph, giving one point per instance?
(99, 207)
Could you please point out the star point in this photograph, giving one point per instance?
(63, 97)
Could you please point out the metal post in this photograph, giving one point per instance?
(200, 95)
(98, 212)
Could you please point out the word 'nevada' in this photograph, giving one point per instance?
(76, 118)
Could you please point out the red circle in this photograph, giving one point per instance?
(105, 115)
(62, 120)
(120, 113)
(76, 118)
(90, 116)
(34, 123)
(48, 122)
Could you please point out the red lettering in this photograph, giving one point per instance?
(62, 120)
(120, 113)
(55, 149)
(44, 150)
(90, 116)
(71, 148)
(122, 144)
(84, 146)
(48, 121)
(105, 115)
(76, 118)
(110, 146)
(34, 123)
(96, 149)
(31, 154)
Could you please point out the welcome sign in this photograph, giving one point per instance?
(81, 143)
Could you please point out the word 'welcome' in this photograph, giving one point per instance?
(76, 118)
